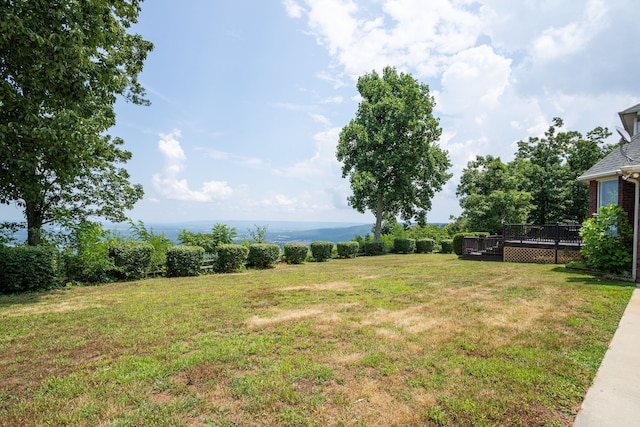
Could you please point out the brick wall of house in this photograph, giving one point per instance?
(627, 197)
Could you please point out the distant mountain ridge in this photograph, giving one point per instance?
(279, 232)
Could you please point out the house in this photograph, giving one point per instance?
(616, 178)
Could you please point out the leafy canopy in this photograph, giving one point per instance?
(389, 150)
(539, 186)
(490, 197)
(62, 66)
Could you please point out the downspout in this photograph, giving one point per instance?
(634, 177)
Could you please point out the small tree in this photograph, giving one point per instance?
(389, 150)
(607, 238)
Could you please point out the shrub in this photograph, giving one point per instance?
(26, 268)
(295, 253)
(403, 245)
(321, 251)
(458, 240)
(231, 258)
(88, 260)
(131, 259)
(262, 255)
(348, 249)
(425, 246)
(184, 260)
(446, 246)
(607, 238)
(159, 241)
(373, 247)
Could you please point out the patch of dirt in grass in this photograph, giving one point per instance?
(280, 316)
(371, 404)
(74, 304)
(331, 286)
(324, 314)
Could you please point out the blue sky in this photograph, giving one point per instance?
(248, 97)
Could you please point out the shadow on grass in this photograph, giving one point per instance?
(592, 278)
(25, 298)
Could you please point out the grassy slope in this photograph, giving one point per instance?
(393, 340)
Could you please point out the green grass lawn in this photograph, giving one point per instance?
(392, 340)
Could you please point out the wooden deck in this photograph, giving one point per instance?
(554, 243)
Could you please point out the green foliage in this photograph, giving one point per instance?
(295, 253)
(390, 152)
(262, 255)
(7, 230)
(203, 240)
(321, 251)
(63, 66)
(608, 240)
(446, 246)
(489, 195)
(258, 234)
(458, 240)
(403, 245)
(231, 258)
(184, 261)
(87, 260)
(374, 248)
(425, 246)
(539, 186)
(348, 249)
(221, 234)
(27, 269)
(131, 259)
(547, 168)
(159, 242)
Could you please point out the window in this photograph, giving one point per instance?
(608, 192)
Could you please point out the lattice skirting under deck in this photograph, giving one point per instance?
(539, 255)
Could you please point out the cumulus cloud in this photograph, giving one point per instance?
(572, 37)
(168, 183)
(293, 8)
(323, 162)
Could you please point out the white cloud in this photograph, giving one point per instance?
(323, 162)
(573, 37)
(474, 81)
(293, 8)
(169, 185)
(319, 118)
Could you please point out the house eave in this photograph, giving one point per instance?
(598, 176)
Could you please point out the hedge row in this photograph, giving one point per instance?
(131, 259)
(184, 260)
(425, 246)
(231, 258)
(26, 268)
(263, 255)
(348, 249)
(35, 268)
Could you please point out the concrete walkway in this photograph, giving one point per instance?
(614, 396)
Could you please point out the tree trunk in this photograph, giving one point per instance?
(33, 212)
(379, 214)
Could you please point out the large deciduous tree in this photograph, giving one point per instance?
(62, 65)
(490, 197)
(539, 186)
(548, 167)
(390, 152)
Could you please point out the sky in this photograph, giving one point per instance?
(248, 97)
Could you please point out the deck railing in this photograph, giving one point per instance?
(486, 244)
(547, 233)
